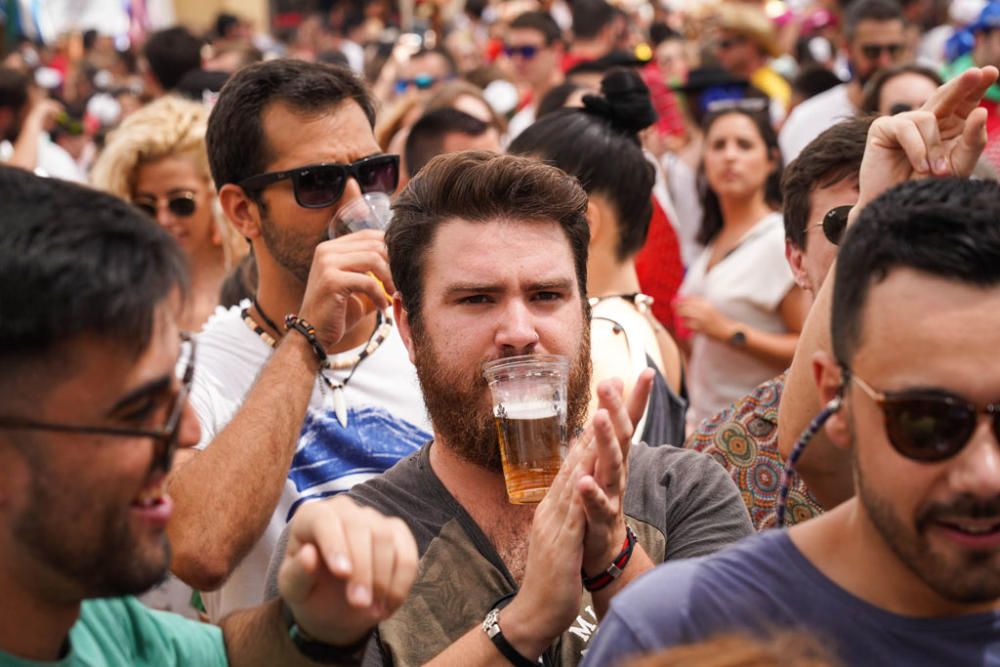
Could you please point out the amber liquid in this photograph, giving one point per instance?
(531, 451)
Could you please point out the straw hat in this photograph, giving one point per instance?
(749, 22)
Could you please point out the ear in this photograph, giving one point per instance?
(796, 261)
(596, 220)
(402, 317)
(829, 382)
(242, 211)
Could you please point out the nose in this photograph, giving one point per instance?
(189, 432)
(163, 214)
(977, 472)
(516, 333)
(352, 191)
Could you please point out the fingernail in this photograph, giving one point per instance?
(360, 595)
(341, 563)
(924, 166)
(940, 165)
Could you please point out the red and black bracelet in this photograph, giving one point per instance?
(604, 579)
(295, 323)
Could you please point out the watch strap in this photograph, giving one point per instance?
(321, 652)
(491, 626)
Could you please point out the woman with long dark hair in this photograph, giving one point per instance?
(739, 298)
(599, 145)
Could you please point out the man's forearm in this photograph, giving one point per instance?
(639, 563)
(225, 495)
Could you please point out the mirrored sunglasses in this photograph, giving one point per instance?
(527, 52)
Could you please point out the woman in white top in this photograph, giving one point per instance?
(739, 298)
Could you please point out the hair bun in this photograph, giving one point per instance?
(624, 101)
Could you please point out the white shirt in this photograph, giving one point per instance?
(53, 160)
(747, 286)
(386, 422)
(810, 118)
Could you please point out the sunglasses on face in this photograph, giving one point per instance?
(421, 82)
(873, 51)
(834, 223)
(182, 205)
(322, 185)
(164, 437)
(527, 52)
(928, 425)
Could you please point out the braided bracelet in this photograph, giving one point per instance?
(604, 579)
(295, 323)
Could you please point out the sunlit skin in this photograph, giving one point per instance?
(811, 266)
(950, 327)
(910, 89)
(737, 163)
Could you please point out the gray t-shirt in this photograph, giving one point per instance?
(765, 584)
(680, 503)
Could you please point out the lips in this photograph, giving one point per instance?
(978, 534)
(152, 504)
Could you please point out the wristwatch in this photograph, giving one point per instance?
(491, 626)
(738, 339)
(321, 652)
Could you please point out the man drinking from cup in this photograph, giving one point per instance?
(489, 254)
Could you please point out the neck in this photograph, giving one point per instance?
(474, 487)
(854, 93)
(846, 547)
(743, 212)
(606, 276)
(31, 626)
(590, 48)
(539, 89)
(280, 293)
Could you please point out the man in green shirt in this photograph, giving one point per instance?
(986, 50)
(94, 376)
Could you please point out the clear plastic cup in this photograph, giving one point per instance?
(373, 210)
(529, 408)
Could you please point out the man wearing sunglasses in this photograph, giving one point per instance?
(533, 46)
(874, 39)
(93, 405)
(302, 408)
(908, 571)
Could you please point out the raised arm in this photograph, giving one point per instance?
(945, 137)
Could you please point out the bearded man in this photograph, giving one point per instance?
(489, 256)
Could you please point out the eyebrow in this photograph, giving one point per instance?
(538, 286)
(156, 386)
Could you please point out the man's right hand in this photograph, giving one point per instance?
(344, 270)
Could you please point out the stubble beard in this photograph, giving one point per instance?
(288, 247)
(964, 577)
(458, 401)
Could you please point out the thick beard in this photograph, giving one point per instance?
(287, 246)
(969, 578)
(107, 562)
(459, 405)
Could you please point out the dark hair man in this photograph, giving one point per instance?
(961, 129)
(907, 571)
(425, 70)
(93, 404)
(595, 31)
(24, 121)
(167, 56)
(291, 409)
(874, 38)
(819, 187)
(446, 130)
(533, 44)
(501, 271)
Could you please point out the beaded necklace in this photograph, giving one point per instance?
(331, 389)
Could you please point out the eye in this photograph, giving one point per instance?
(476, 299)
(548, 296)
(140, 412)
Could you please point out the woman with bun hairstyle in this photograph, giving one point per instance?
(599, 145)
(157, 160)
(739, 298)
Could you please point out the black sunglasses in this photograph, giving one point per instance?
(928, 425)
(834, 223)
(527, 52)
(164, 437)
(873, 51)
(322, 185)
(182, 205)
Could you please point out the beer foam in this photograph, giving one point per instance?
(528, 410)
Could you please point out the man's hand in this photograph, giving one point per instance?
(346, 569)
(343, 270)
(605, 445)
(944, 137)
(549, 598)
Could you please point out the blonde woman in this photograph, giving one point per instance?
(156, 159)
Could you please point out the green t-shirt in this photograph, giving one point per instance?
(121, 631)
(950, 71)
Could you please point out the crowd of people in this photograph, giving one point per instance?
(765, 238)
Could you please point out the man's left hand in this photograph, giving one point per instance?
(608, 439)
(346, 569)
